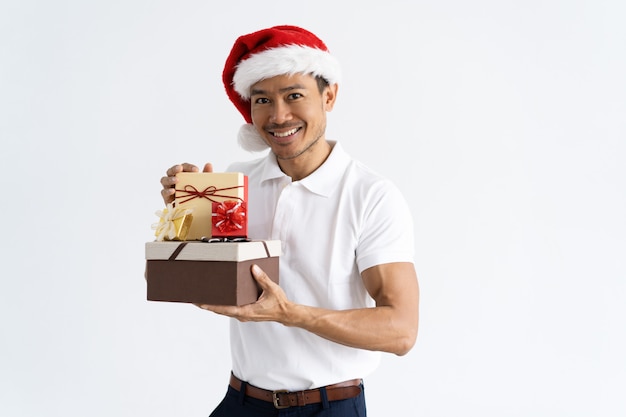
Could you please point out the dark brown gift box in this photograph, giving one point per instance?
(215, 273)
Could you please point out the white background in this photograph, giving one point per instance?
(502, 121)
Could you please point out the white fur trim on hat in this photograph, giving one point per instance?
(250, 139)
(285, 60)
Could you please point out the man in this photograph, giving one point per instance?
(348, 287)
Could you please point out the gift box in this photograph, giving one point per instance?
(215, 273)
(174, 223)
(218, 201)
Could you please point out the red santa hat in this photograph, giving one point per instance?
(279, 50)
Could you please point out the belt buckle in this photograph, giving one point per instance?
(275, 399)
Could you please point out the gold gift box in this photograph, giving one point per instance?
(174, 224)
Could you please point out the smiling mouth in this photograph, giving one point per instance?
(285, 134)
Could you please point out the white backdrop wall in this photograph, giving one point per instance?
(502, 122)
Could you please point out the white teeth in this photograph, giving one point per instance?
(283, 135)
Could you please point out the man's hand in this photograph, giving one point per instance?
(169, 181)
(271, 305)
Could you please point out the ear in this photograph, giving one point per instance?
(330, 96)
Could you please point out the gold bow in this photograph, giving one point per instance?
(173, 223)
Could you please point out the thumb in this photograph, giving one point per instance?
(208, 167)
(260, 276)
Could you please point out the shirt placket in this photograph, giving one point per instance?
(285, 208)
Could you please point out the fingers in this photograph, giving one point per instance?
(208, 167)
(189, 167)
(168, 195)
(168, 182)
(184, 167)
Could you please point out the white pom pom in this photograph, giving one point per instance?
(250, 140)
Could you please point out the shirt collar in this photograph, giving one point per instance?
(271, 170)
(323, 180)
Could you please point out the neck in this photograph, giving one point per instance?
(306, 163)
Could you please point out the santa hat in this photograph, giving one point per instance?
(279, 50)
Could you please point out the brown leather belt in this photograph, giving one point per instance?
(286, 399)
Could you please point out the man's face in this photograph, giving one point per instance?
(290, 113)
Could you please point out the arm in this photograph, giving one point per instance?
(391, 326)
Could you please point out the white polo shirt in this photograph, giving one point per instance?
(333, 224)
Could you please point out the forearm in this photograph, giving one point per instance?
(382, 328)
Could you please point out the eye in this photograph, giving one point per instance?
(294, 96)
(261, 100)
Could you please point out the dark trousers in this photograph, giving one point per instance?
(236, 404)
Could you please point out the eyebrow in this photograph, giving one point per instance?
(255, 91)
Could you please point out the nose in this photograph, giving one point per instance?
(280, 113)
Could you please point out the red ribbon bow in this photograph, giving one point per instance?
(229, 216)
